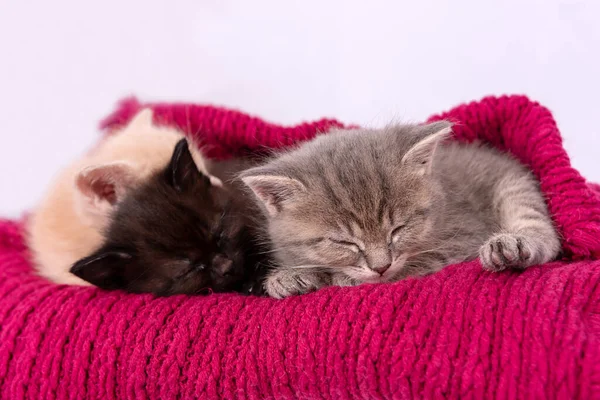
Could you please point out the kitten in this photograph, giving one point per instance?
(68, 222)
(179, 234)
(379, 205)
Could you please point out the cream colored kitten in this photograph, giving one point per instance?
(68, 223)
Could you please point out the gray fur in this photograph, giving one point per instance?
(332, 205)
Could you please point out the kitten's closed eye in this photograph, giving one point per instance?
(185, 266)
(395, 235)
(347, 244)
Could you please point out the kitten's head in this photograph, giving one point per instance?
(358, 203)
(177, 233)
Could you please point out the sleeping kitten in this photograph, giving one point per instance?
(380, 205)
(68, 223)
(179, 234)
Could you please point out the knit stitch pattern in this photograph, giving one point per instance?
(459, 333)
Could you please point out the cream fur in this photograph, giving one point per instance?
(60, 231)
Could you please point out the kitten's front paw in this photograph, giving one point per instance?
(342, 280)
(506, 250)
(285, 282)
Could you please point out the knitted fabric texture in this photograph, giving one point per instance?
(460, 333)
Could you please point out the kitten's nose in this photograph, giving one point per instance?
(222, 264)
(382, 268)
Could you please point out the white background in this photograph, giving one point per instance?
(64, 64)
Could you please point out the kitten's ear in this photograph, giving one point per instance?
(102, 186)
(420, 155)
(274, 191)
(201, 162)
(182, 172)
(103, 269)
(142, 119)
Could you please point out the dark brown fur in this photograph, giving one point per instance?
(178, 234)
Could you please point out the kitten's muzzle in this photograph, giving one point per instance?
(380, 269)
(222, 264)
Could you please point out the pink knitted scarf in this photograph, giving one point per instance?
(460, 333)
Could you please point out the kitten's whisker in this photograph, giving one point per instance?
(325, 267)
(269, 251)
(308, 266)
(140, 275)
(441, 246)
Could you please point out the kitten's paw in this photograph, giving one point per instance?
(285, 282)
(506, 250)
(342, 280)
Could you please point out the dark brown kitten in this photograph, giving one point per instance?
(179, 234)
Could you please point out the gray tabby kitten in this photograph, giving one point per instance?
(367, 205)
